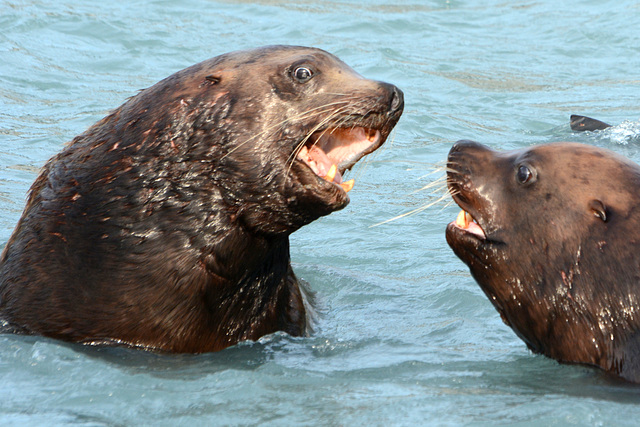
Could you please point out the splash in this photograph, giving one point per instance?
(627, 132)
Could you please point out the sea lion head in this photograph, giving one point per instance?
(267, 125)
(548, 232)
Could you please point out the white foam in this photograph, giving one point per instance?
(624, 133)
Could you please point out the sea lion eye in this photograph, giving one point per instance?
(524, 174)
(302, 74)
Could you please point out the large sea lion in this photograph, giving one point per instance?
(166, 224)
(552, 235)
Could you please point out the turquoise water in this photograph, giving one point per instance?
(404, 335)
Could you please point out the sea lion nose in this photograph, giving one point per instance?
(397, 99)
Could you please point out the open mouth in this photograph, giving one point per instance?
(467, 223)
(331, 152)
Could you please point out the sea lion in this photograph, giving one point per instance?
(166, 224)
(583, 123)
(551, 235)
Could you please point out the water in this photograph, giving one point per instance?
(404, 336)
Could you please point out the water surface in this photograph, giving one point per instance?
(404, 336)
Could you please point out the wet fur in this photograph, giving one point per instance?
(560, 262)
(165, 225)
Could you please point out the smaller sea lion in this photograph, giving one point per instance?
(166, 224)
(551, 233)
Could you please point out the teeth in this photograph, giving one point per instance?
(331, 174)
(463, 219)
(347, 185)
(467, 223)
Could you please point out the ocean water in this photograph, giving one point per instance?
(404, 335)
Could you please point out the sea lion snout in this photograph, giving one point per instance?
(465, 165)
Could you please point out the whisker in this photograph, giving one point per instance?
(452, 163)
(313, 112)
(446, 205)
(414, 211)
(437, 168)
(439, 188)
(440, 184)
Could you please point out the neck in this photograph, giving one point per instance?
(255, 292)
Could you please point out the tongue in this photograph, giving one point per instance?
(322, 166)
(322, 163)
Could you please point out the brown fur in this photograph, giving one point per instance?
(165, 225)
(560, 260)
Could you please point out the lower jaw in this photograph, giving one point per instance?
(333, 176)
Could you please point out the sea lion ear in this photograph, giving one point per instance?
(599, 209)
(213, 79)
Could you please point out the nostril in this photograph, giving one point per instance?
(397, 99)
